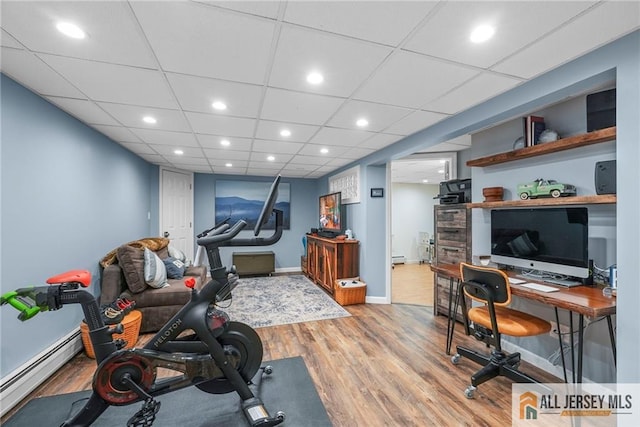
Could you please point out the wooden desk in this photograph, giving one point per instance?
(582, 300)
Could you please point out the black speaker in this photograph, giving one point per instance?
(605, 177)
(601, 110)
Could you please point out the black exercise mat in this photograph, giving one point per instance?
(289, 388)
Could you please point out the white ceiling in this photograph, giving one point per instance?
(402, 65)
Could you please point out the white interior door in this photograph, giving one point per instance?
(176, 209)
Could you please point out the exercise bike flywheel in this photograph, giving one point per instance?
(108, 380)
(240, 343)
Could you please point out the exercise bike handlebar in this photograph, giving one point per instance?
(222, 234)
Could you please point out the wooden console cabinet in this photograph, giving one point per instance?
(329, 260)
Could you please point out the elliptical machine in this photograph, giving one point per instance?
(211, 352)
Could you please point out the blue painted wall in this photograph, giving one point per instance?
(69, 195)
(304, 216)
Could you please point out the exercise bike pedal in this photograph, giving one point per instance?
(258, 415)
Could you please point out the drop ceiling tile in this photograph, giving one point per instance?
(452, 24)
(223, 155)
(217, 163)
(272, 166)
(480, 88)
(264, 8)
(214, 142)
(132, 115)
(195, 168)
(7, 41)
(196, 39)
(168, 151)
(338, 162)
(114, 83)
(163, 137)
(113, 35)
(264, 172)
(368, 20)
(138, 148)
(31, 72)
(379, 141)
(308, 160)
(343, 62)
(340, 137)
(295, 173)
(314, 150)
(156, 159)
(414, 122)
(198, 93)
(117, 133)
(574, 39)
(84, 110)
(221, 125)
(276, 147)
(409, 80)
(271, 130)
(379, 116)
(296, 107)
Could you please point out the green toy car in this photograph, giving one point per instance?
(545, 188)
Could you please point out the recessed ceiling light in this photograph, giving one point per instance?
(362, 123)
(285, 132)
(441, 171)
(178, 152)
(271, 158)
(149, 119)
(228, 165)
(315, 78)
(324, 150)
(219, 105)
(225, 143)
(70, 30)
(425, 180)
(482, 33)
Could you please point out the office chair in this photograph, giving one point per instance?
(493, 318)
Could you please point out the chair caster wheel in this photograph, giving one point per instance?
(455, 359)
(280, 416)
(267, 370)
(469, 392)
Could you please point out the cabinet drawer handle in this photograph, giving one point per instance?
(450, 249)
(452, 231)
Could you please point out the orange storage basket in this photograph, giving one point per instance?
(348, 295)
(131, 323)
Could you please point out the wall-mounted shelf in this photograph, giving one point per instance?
(575, 141)
(549, 201)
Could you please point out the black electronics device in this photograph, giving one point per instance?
(601, 110)
(455, 191)
(605, 177)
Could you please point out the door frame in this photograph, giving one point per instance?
(190, 237)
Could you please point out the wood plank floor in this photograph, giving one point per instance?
(412, 284)
(384, 366)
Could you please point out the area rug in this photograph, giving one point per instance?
(289, 388)
(280, 300)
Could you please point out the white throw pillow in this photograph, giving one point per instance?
(155, 273)
(179, 255)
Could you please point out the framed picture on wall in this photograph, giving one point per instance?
(244, 199)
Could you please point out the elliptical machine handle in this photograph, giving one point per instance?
(228, 235)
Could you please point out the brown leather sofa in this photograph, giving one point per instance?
(123, 277)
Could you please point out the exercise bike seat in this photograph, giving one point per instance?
(83, 277)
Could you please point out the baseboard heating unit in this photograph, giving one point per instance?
(18, 384)
(398, 259)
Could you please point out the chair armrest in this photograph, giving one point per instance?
(112, 284)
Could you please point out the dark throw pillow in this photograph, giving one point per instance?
(131, 260)
(175, 268)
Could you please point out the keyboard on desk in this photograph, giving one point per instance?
(539, 287)
(567, 283)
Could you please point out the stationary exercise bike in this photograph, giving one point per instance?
(210, 351)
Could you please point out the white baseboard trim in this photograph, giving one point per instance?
(18, 384)
(537, 361)
(289, 270)
(377, 300)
